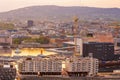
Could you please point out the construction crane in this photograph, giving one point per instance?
(75, 35)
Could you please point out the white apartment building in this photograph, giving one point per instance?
(41, 65)
(86, 64)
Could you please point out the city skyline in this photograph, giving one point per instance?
(7, 5)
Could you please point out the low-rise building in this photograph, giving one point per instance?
(43, 66)
(5, 40)
(82, 66)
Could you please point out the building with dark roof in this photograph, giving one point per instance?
(101, 50)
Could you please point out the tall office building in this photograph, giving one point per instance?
(101, 50)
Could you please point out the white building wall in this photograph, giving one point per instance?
(80, 46)
(42, 65)
(89, 65)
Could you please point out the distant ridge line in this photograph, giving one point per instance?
(61, 12)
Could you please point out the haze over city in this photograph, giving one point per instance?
(6, 5)
(60, 40)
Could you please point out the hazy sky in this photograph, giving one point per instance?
(6, 5)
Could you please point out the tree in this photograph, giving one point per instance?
(42, 40)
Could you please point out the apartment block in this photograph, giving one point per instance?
(82, 66)
(41, 65)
